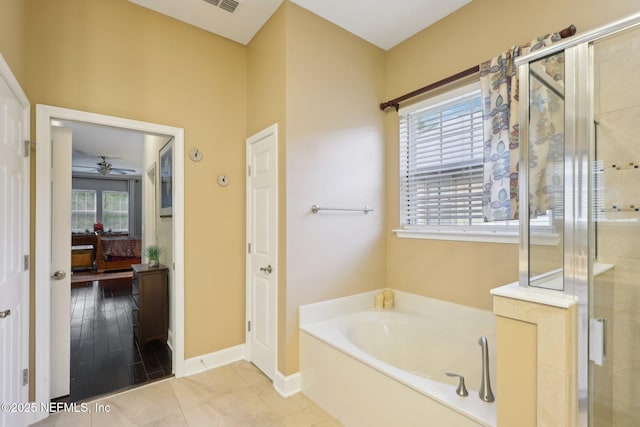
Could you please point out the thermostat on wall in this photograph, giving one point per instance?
(223, 180)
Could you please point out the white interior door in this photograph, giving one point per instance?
(262, 247)
(14, 246)
(60, 261)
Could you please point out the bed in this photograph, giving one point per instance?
(117, 253)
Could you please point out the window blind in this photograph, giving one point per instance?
(83, 209)
(441, 161)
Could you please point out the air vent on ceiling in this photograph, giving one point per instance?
(228, 5)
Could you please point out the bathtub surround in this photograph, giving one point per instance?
(397, 356)
(536, 332)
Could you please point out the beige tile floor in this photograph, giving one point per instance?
(235, 395)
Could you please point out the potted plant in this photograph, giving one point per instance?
(153, 252)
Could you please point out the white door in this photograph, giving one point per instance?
(60, 261)
(14, 246)
(262, 247)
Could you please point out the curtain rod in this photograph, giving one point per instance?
(395, 102)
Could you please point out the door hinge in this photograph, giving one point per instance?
(27, 148)
(248, 170)
(26, 262)
(249, 326)
(249, 247)
(25, 376)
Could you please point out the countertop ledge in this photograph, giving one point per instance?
(535, 295)
(543, 296)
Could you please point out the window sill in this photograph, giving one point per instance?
(487, 236)
(476, 235)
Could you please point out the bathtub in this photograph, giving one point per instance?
(387, 367)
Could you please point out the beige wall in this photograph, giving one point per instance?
(331, 152)
(464, 272)
(13, 37)
(335, 157)
(266, 105)
(113, 57)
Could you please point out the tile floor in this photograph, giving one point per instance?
(235, 395)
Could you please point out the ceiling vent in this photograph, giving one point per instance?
(228, 5)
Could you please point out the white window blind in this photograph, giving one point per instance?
(115, 210)
(441, 160)
(83, 210)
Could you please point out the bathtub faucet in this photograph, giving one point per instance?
(485, 387)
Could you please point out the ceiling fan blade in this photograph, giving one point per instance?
(85, 167)
(124, 169)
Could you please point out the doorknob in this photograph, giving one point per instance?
(5, 313)
(266, 269)
(59, 275)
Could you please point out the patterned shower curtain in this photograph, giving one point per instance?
(499, 85)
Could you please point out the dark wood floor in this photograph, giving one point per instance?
(104, 355)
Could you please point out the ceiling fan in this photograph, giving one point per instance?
(105, 168)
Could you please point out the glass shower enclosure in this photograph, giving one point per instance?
(580, 136)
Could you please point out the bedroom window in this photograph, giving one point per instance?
(441, 162)
(83, 210)
(115, 210)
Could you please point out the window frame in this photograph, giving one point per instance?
(492, 232)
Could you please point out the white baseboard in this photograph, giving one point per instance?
(205, 362)
(287, 386)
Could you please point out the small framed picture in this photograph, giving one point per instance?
(166, 179)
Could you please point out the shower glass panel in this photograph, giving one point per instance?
(546, 155)
(614, 300)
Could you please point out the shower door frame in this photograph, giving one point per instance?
(578, 250)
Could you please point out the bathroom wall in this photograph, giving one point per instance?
(266, 105)
(335, 157)
(322, 85)
(114, 57)
(13, 37)
(458, 271)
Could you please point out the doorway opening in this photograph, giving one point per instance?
(108, 235)
(111, 292)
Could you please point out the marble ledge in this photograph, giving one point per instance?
(554, 298)
(535, 295)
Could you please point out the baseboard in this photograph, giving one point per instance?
(205, 362)
(287, 386)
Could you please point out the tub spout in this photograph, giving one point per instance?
(485, 387)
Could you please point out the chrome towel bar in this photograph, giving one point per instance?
(315, 209)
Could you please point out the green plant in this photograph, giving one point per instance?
(153, 252)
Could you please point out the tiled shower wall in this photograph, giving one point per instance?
(617, 293)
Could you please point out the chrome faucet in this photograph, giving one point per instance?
(485, 387)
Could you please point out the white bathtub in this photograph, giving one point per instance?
(387, 368)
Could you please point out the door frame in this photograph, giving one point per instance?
(44, 115)
(265, 133)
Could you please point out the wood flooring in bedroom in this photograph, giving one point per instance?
(104, 355)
